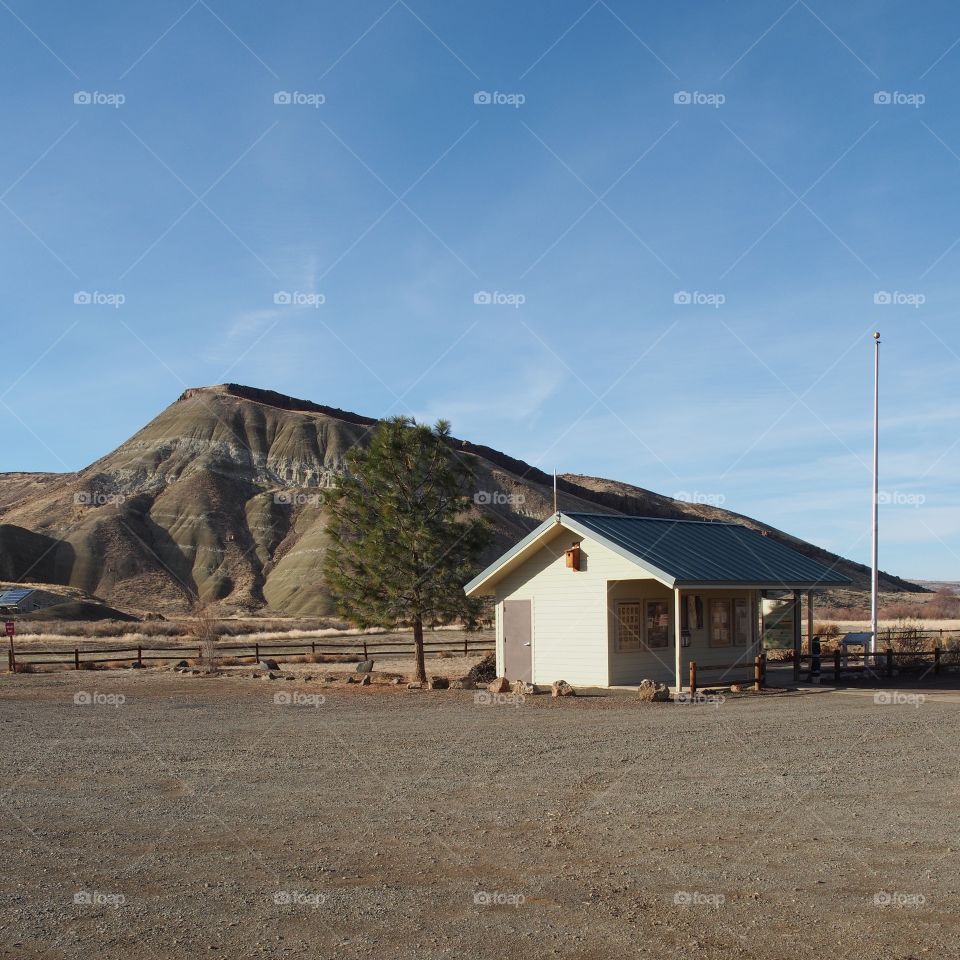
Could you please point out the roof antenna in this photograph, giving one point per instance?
(555, 510)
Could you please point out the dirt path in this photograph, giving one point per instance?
(208, 817)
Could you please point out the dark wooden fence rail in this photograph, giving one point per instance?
(363, 648)
(884, 661)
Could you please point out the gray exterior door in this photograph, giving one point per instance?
(517, 637)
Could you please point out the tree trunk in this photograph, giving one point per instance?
(421, 676)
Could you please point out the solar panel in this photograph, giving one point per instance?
(10, 598)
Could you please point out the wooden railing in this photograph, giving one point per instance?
(362, 649)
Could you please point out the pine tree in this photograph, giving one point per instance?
(402, 543)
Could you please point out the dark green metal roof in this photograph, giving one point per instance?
(701, 552)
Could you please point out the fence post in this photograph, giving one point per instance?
(76, 658)
(313, 646)
(836, 664)
(466, 645)
(256, 651)
(139, 656)
(757, 674)
(693, 678)
(365, 656)
(889, 661)
(936, 660)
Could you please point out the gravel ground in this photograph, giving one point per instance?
(169, 816)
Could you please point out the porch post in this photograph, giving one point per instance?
(796, 664)
(677, 622)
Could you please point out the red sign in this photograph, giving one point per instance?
(9, 626)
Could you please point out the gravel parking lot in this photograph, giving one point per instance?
(146, 814)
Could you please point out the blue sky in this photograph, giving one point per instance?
(777, 196)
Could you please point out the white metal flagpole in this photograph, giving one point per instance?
(875, 580)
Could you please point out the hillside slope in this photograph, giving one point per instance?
(217, 497)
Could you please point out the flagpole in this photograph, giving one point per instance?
(875, 579)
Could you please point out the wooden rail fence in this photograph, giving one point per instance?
(885, 661)
(361, 649)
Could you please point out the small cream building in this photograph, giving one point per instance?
(605, 600)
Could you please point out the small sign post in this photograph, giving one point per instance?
(11, 629)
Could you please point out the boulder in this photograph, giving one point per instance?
(181, 665)
(465, 684)
(364, 681)
(365, 666)
(736, 688)
(524, 689)
(416, 685)
(267, 665)
(396, 681)
(560, 688)
(500, 685)
(439, 683)
(652, 692)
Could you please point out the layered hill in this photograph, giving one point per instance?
(218, 498)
